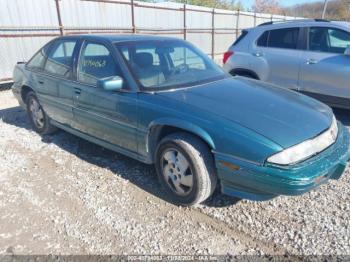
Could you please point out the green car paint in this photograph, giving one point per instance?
(244, 122)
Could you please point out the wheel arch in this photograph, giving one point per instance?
(159, 129)
(25, 89)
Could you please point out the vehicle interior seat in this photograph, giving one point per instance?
(148, 73)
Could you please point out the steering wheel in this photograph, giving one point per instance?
(183, 68)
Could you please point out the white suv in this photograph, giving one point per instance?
(310, 56)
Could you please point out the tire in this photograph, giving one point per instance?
(42, 126)
(175, 178)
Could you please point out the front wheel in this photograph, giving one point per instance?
(40, 121)
(185, 168)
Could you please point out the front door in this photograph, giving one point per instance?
(325, 72)
(107, 115)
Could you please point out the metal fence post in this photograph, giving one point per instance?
(185, 24)
(237, 23)
(59, 17)
(213, 34)
(133, 17)
(254, 19)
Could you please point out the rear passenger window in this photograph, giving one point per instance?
(96, 62)
(60, 59)
(283, 38)
(38, 60)
(262, 41)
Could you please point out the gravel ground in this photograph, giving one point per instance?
(62, 195)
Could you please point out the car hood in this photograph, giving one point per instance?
(281, 115)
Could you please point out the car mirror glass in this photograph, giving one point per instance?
(113, 83)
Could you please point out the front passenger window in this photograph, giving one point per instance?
(96, 62)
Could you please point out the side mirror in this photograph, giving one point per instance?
(347, 51)
(112, 83)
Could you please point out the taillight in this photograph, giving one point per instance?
(227, 56)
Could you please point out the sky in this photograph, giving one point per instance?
(248, 3)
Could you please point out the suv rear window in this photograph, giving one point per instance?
(240, 38)
(280, 38)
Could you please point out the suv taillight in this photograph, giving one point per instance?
(227, 56)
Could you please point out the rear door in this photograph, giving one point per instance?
(278, 51)
(54, 87)
(107, 115)
(325, 71)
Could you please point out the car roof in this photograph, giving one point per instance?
(121, 37)
(303, 23)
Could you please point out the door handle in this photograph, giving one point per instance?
(41, 82)
(77, 91)
(311, 61)
(258, 54)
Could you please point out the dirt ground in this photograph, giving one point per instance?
(62, 195)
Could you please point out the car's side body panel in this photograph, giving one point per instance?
(325, 75)
(229, 137)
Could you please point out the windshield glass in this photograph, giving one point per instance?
(168, 64)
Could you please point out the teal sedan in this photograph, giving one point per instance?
(162, 101)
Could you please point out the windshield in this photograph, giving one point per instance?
(165, 64)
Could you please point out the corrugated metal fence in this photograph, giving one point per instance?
(26, 25)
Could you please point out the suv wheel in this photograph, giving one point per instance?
(40, 121)
(185, 168)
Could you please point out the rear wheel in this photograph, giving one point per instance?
(40, 121)
(185, 168)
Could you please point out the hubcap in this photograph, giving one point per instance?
(177, 172)
(37, 113)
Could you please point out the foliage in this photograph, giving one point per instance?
(336, 10)
(267, 6)
(223, 4)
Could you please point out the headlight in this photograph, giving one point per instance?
(307, 148)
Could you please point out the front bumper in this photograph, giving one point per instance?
(263, 182)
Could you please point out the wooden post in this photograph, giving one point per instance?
(254, 19)
(213, 34)
(59, 17)
(185, 24)
(133, 17)
(237, 23)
